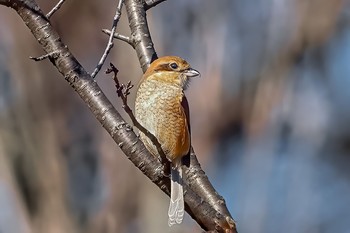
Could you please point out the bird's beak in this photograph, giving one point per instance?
(192, 73)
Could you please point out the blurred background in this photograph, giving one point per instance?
(270, 118)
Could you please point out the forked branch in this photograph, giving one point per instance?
(110, 43)
(121, 37)
(202, 202)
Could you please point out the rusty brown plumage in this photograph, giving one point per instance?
(161, 107)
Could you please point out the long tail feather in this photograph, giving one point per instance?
(177, 206)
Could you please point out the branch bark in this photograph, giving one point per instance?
(140, 32)
(152, 3)
(202, 202)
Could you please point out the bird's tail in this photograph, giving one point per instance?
(177, 206)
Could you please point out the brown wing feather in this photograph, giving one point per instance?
(186, 109)
(186, 131)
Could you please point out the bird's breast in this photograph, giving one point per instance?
(158, 109)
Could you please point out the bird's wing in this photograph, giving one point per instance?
(187, 126)
(186, 109)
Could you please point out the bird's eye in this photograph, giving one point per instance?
(174, 66)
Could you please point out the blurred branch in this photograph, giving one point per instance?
(55, 8)
(110, 40)
(152, 3)
(202, 201)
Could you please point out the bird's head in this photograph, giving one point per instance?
(171, 69)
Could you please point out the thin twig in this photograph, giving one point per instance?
(45, 56)
(109, 46)
(118, 36)
(123, 91)
(55, 8)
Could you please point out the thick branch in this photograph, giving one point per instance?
(140, 33)
(204, 213)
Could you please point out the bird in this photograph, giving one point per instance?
(162, 108)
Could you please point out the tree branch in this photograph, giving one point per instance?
(118, 36)
(140, 32)
(152, 3)
(110, 43)
(202, 202)
(55, 8)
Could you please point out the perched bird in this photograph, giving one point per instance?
(161, 107)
